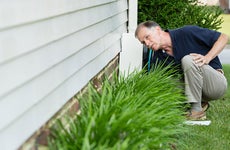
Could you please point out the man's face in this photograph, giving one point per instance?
(149, 37)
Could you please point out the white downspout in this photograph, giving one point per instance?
(132, 50)
(132, 15)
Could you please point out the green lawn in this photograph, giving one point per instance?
(225, 28)
(217, 135)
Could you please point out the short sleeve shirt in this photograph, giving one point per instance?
(194, 39)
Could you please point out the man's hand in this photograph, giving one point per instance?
(200, 60)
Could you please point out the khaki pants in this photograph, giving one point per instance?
(202, 83)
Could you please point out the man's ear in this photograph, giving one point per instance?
(158, 28)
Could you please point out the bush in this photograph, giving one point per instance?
(176, 13)
(142, 111)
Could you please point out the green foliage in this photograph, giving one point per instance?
(176, 13)
(142, 111)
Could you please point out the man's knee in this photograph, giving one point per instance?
(187, 62)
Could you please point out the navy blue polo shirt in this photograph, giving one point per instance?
(194, 39)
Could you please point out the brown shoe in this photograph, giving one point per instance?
(194, 115)
(205, 106)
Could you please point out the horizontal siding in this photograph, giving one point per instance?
(32, 64)
(39, 88)
(18, 41)
(37, 115)
(45, 60)
(28, 11)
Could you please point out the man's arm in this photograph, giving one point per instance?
(214, 51)
(217, 47)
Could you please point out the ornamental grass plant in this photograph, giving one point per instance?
(141, 111)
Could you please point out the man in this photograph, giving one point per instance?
(196, 49)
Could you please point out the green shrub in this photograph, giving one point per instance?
(142, 111)
(176, 13)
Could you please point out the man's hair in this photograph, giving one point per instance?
(147, 24)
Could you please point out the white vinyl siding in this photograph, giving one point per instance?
(49, 50)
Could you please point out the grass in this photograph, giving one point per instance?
(226, 24)
(142, 111)
(225, 27)
(217, 135)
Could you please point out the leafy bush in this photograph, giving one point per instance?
(176, 13)
(142, 111)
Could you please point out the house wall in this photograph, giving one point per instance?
(49, 50)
